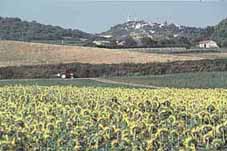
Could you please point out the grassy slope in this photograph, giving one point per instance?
(181, 80)
(60, 82)
(21, 53)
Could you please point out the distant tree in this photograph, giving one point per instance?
(130, 42)
(220, 33)
(148, 42)
(224, 43)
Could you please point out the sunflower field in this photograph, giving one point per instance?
(66, 118)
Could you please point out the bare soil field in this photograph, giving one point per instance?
(22, 53)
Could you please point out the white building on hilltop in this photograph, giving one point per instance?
(208, 44)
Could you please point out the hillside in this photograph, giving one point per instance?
(151, 34)
(17, 29)
(21, 53)
(156, 31)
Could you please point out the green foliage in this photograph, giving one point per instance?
(103, 70)
(16, 29)
(220, 33)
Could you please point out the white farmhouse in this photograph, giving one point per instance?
(208, 44)
(101, 42)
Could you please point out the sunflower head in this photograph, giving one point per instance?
(152, 144)
(190, 142)
(206, 128)
(162, 135)
(217, 144)
(211, 108)
(208, 138)
(164, 114)
(166, 103)
(50, 127)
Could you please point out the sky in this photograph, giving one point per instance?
(98, 16)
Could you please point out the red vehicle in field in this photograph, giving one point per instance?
(68, 74)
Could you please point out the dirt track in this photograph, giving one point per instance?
(123, 83)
